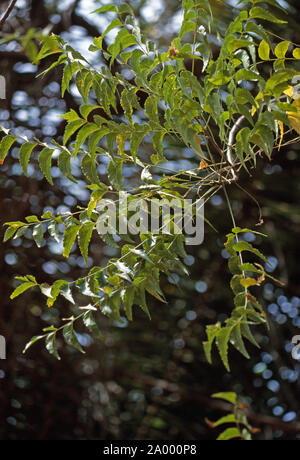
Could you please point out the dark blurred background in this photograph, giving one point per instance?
(147, 379)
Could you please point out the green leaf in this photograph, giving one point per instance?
(5, 145)
(114, 172)
(123, 40)
(114, 23)
(51, 345)
(211, 331)
(70, 337)
(45, 160)
(281, 49)
(71, 128)
(95, 138)
(84, 82)
(69, 70)
(187, 26)
(54, 292)
(69, 238)
(22, 288)
(86, 109)
(32, 341)
(84, 287)
(228, 434)
(244, 96)
(222, 341)
(20, 232)
(106, 8)
(245, 246)
(24, 155)
(47, 215)
(264, 50)
(53, 230)
(9, 233)
(261, 13)
(235, 44)
(226, 396)
(51, 46)
(244, 74)
(140, 300)
(65, 291)
(71, 116)
(264, 138)
(91, 324)
(89, 169)
(84, 238)
(277, 79)
(83, 134)
(246, 332)
(230, 418)
(258, 30)
(64, 165)
(127, 296)
(31, 219)
(109, 240)
(237, 341)
(38, 234)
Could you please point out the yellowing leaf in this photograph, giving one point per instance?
(259, 96)
(280, 124)
(296, 53)
(173, 51)
(294, 117)
(120, 140)
(247, 282)
(203, 164)
(264, 51)
(281, 49)
(289, 91)
(197, 146)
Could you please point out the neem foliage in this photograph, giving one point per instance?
(228, 116)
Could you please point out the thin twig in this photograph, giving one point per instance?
(231, 142)
(7, 12)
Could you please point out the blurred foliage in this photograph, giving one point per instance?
(147, 380)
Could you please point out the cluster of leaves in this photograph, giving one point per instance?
(241, 428)
(162, 102)
(114, 289)
(247, 310)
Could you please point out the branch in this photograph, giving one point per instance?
(232, 135)
(7, 12)
(200, 400)
(231, 142)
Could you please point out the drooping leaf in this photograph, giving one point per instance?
(32, 341)
(222, 341)
(51, 345)
(45, 161)
(24, 155)
(38, 234)
(84, 238)
(70, 336)
(70, 235)
(90, 323)
(64, 164)
(5, 145)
